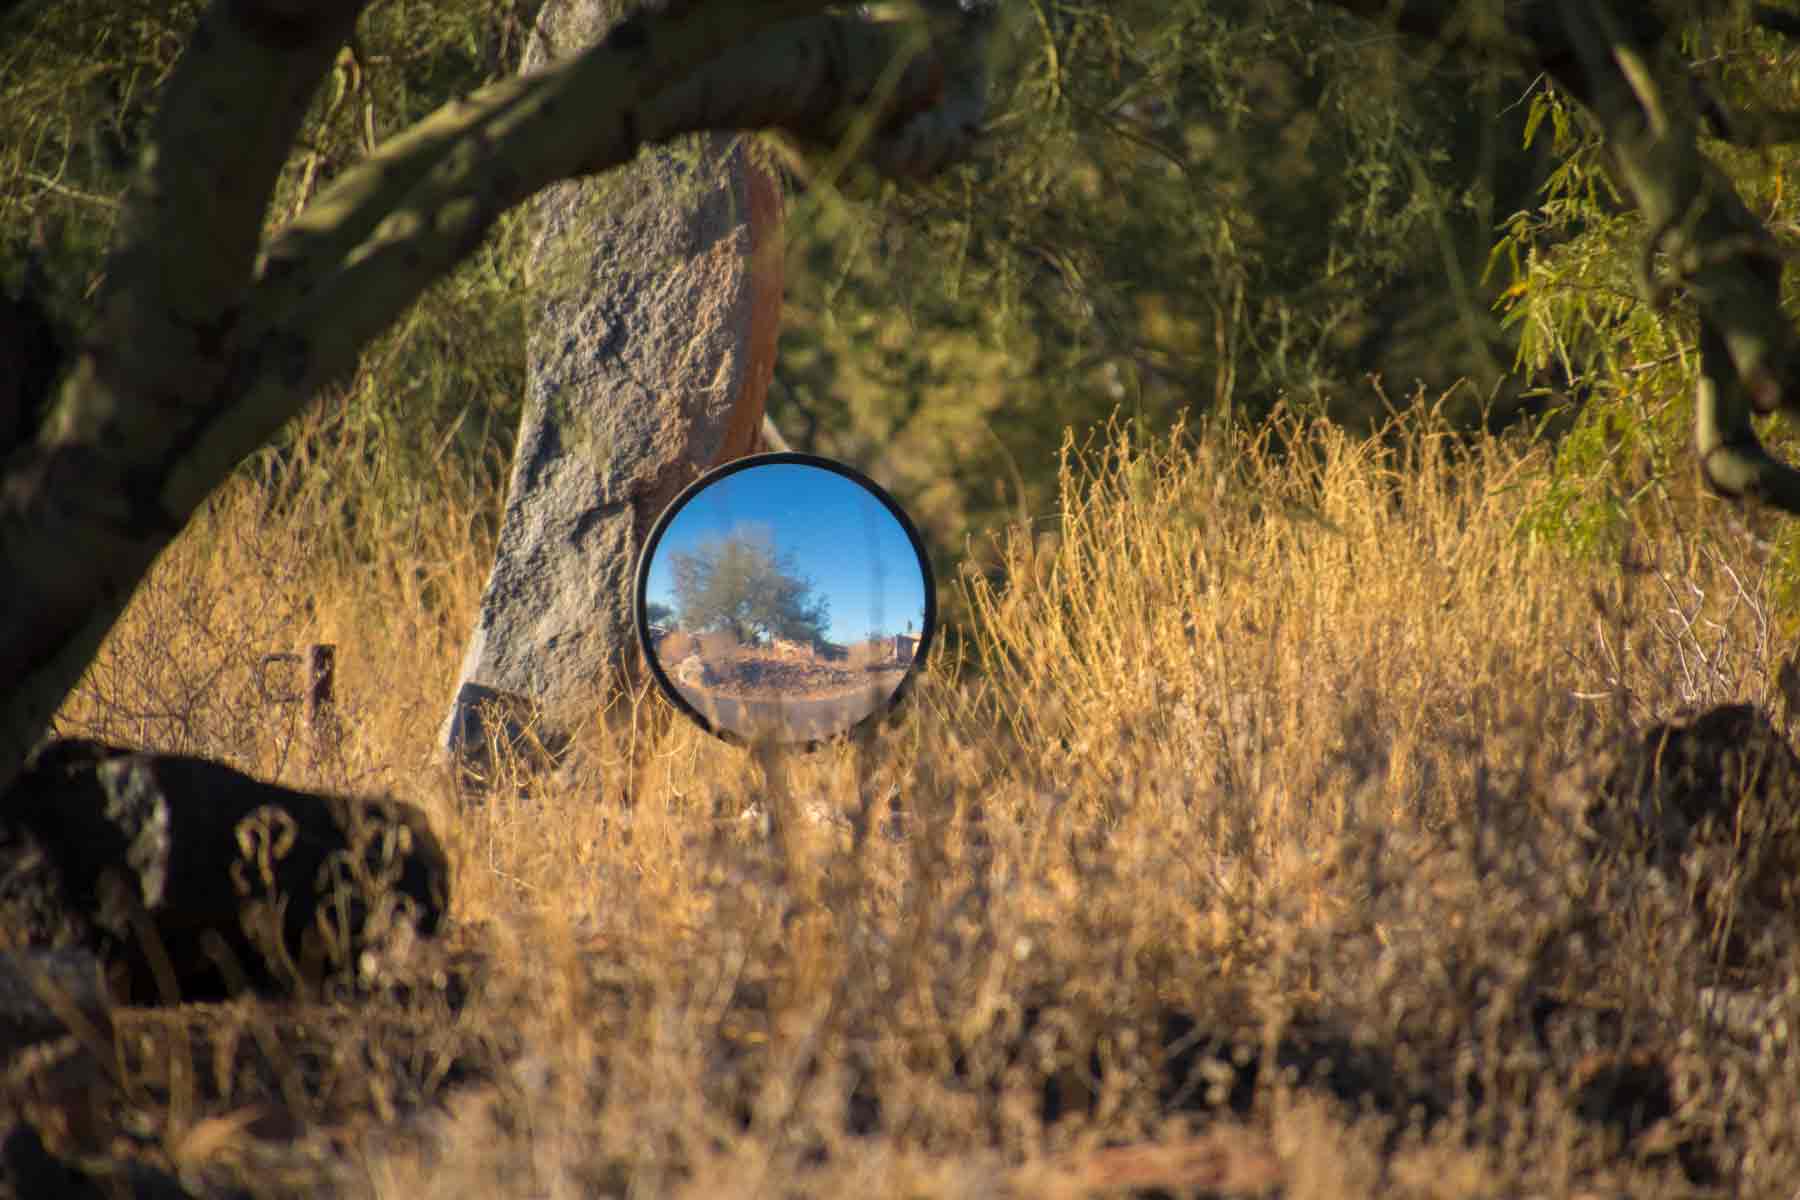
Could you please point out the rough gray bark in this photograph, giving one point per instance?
(650, 360)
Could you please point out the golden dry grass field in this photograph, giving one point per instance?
(1240, 849)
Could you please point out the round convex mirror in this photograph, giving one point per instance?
(784, 597)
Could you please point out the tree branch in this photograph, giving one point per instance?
(199, 358)
(810, 77)
(1760, 127)
(1444, 21)
(1621, 64)
(1531, 34)
(191, 223)
(1776, 20)
(348, 212)
(1725, 258)
(1732, 458)
(80, 512)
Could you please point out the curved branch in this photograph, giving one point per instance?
(190, 225)
(1621, 63)
(1726, 259)
(1776, 20)
(1760, 127)
(198, 359)
(80, 515)
(348, 212)
(810, 77)
(1733, 461)
(1728, 262)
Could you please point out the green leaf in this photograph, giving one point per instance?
(1540, 108)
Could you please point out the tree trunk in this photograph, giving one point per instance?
(650, 361)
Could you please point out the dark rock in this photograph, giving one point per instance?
(1712, 801)
(1707, 771)
(144, 857)
(33, 908)
(75, 977)
(1636, 1096)
(1724, 776)
(1628, 1092)
(30, 1172)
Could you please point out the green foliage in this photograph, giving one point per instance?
(1618, 371)
(77, 82)
(1204, 207)
(738, 582)
(1611, 367)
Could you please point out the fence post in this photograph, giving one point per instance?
(321, 698)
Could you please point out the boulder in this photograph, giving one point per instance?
(189, 879)
(1711, 800)
(649, 362)
(1724, 776)
(694, 672)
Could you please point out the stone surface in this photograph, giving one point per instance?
(694, 672)
(1711, 801)
(649, 362)
(100, 846)
(1724, 776)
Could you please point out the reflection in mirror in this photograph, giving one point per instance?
(784, 597)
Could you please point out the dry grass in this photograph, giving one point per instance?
(1237, 860)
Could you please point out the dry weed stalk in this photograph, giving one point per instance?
(1243, 793)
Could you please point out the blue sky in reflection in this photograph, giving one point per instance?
(842, 539)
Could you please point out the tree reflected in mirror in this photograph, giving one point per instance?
(784, 597)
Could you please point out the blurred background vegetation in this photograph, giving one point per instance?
(1194, 211)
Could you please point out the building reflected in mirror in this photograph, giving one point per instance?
(786, 597)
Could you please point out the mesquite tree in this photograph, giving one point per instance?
(1623, 61)
(210, 333)
(740, 583)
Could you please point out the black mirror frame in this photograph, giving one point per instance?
(640, 593)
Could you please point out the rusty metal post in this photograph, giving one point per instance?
(321, 666)
(321, 696)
